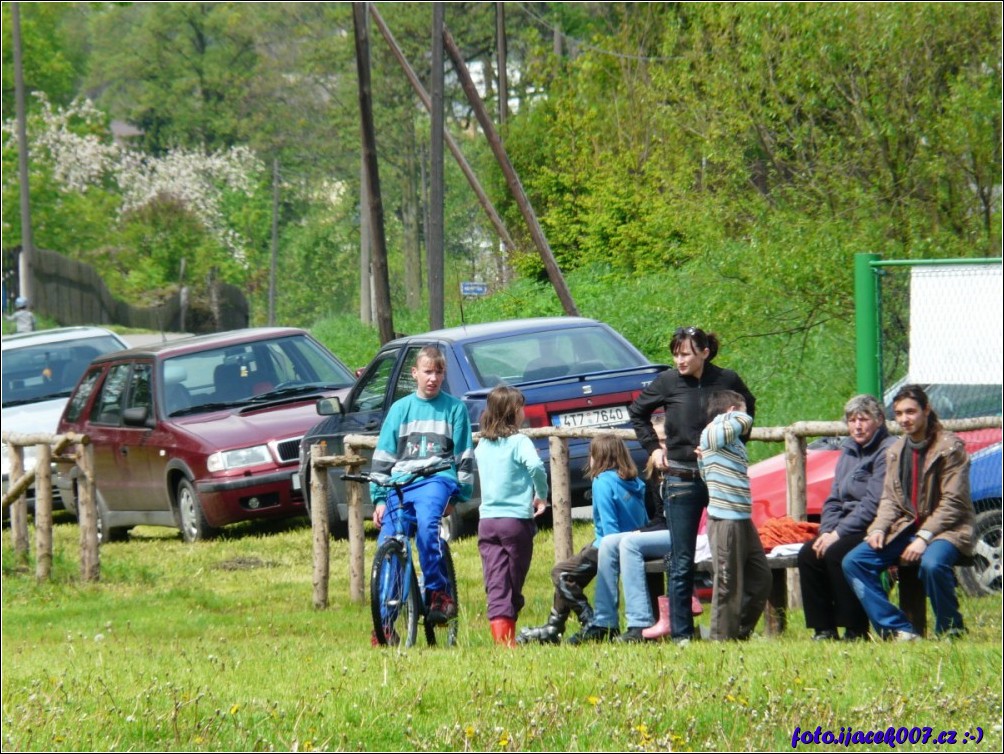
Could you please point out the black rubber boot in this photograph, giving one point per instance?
(549, 633)
(593, 633)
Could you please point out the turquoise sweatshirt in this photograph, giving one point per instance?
(511, 474)
(419, 433)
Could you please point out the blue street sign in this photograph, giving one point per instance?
(473, 289)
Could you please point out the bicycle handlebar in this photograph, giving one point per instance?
(366, 476)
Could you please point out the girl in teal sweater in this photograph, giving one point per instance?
(513, 492)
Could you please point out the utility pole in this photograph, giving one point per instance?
(501, 53)
(512, 179)
(378, 241)
(451, 143)
(275, 242)
(435, 253)
(365, 273)
(27, 242)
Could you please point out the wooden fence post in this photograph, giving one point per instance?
(19, 510)
(357, 537)
(43, 513)
(794, 452)
(90, 563)
(561, 498)
(794, 459)
(320, 526)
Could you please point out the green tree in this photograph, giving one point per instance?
(184, 73)
(53, 52)
(768, 143)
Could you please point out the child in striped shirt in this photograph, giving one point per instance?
(742, 577)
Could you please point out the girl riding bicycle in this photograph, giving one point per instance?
(420, 431)
(513, 491)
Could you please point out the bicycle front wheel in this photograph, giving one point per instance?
(452, 626)
(393, 600)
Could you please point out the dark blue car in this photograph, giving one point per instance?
(574, 372)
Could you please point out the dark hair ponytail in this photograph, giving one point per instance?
(698, 339)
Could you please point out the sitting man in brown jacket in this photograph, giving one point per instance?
(925, 518)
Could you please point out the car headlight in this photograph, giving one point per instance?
(236, 459)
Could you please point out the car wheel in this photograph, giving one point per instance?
(108, 533)
(193, 521)
(984, 575)
(338, 528)
(105, 532)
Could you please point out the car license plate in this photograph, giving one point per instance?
(595, 417)
(296, 480)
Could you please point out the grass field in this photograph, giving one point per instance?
(216, 646)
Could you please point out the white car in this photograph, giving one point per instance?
(40, 370)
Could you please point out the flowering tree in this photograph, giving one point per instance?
(127, 211)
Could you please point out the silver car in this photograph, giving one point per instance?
(40, 370)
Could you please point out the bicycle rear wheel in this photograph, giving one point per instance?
(452, 626)
(393, 602)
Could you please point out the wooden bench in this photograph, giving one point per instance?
(775, 614)
(912, 600)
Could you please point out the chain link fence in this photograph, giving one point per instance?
(941, 325)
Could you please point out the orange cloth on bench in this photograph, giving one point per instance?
(785, 531)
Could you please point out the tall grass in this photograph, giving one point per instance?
(216, 647)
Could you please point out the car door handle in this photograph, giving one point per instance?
(373, 424)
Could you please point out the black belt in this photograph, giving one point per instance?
(683, 473)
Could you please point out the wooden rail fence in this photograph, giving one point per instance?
(69, 449)
(75, 449)
(793, 437)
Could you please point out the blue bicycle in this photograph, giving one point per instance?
(396, 599)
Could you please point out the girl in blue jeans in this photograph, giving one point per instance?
(618, 506)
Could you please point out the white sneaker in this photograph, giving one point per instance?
(906, 636)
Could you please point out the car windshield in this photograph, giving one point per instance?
(958, 401)
(50, 370)
(256, 371)
(549, 355)
(965, 401)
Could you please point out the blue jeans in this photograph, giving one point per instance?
(684, 501)
(863, 568)
(424, 503)
(624, 554)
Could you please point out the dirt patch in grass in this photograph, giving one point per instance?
(243, 564)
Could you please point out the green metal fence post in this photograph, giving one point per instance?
(866, 313)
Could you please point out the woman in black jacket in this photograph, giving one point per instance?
(683, 394)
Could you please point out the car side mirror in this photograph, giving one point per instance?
(136, 416)
(330, 406)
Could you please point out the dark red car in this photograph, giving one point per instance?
(201, 432)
